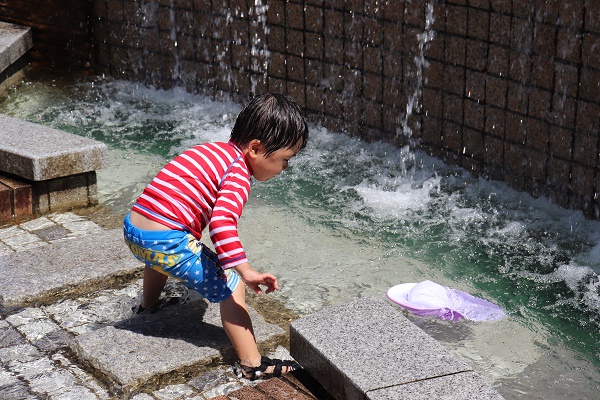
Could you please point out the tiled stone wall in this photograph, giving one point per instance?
(505, 88)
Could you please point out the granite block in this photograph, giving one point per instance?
(62, 154)
(15, 41)
(171, 341)
(343, 348)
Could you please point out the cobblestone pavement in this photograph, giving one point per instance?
(36, 356)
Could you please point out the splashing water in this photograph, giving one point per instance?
(366, 217)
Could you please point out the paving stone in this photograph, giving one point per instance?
(9, 337)
(174, 392)
(52, 233)
(81, 265)
(38, 223)
(17, 391)
(38, 329)
(173, 339)
(20, 353)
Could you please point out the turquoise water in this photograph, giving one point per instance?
(351, 219)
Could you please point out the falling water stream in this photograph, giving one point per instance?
(350, 219)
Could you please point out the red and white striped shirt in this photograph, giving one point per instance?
(208, 184)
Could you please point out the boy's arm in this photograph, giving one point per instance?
(253, 278)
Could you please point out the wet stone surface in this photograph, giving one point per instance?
(86, 342)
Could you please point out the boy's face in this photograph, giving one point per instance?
(265, 168)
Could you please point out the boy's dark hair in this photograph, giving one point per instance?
(274, 119)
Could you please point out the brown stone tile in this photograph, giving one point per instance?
(582, 180)
(514, 158)
(276, 13)
(590, 52)
(585, 149)
(495, 121)
(432, 103)
(20, 197)
(5, 203)
(477, 55)
(456, 48)
(314, 19)
(592, 16)
(518, 97)
(295, 68)
(453, 79)
(500, 28)
(474, 114)
(496, 91)
(536, 164)
(479, 26)
(497, 60)
(571, 13)
(560, 142)
(588, 89)
(279, 389)
(247, 393)
(493, 148)
(542, 72)
(519, 68)
(544, 39)
(392, 35)
(294, 15)
(456, 19)
(588, 117)
(515, 128)
(453, 137)
(453, 108)
(473, 144)
(568, 46)
(540, 102)
(547, 11)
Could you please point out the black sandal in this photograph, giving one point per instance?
(260, 372)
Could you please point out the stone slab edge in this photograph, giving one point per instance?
(80, 264)
(146, 349)
(15, 41)
(62, 154)
(366, 345)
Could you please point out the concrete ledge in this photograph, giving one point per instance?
(39, 153)
(368, 350)
(15, 41)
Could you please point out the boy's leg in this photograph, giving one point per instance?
(238, 326)
(154, 283)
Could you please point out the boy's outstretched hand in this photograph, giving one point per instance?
(254, 279)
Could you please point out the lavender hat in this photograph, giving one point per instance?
(430, 299)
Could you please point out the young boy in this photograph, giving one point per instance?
(208, 185)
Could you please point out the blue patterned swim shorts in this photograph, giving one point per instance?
(180, 255)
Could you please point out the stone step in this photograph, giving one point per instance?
(15, 41)
(174, 341)
(73, 265)
(62, 154)
(61, 172)
(367, 349)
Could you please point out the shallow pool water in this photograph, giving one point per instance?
(351, 219)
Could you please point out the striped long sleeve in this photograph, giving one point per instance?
(207, 185)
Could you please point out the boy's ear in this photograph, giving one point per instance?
(254, 148)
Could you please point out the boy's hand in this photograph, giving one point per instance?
(254, 279)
